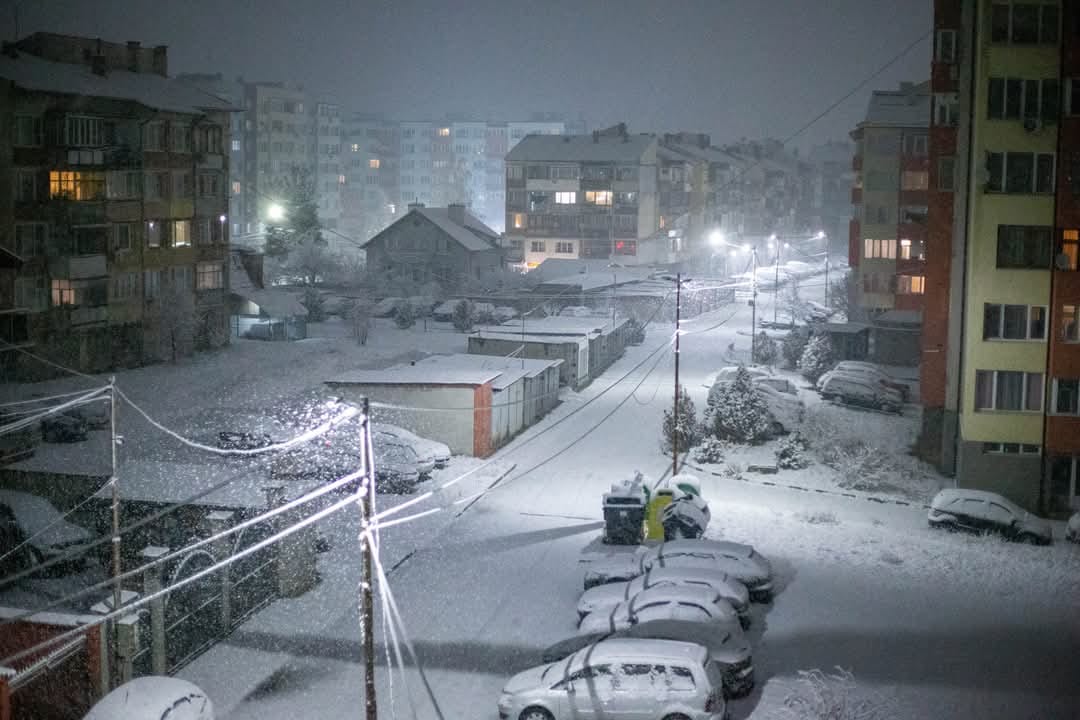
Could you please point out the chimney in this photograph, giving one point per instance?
(456, 213)
(160, 62)
(97, 65)
(133, 55)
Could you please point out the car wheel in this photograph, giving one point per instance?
(1029, 539)
(535, 713)
(676, 717)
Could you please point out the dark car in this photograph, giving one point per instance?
(228, 440)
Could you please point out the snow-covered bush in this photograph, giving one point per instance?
(835, 696)
(710, 451)
(817, 358)
(793, 345)
(791, 454)
(765, 350)
(686, 431)
(464, 316)
(736, 411)
(404, 316)
(315, 305)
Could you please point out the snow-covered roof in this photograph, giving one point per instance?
(472, 234)
(511, 369)
(570, 271)
(418, 374)
(581, 148)
(497, 332)
(148, 89)
(276, 303)
(900, 108)
(166, 483)
(899, 317)
(559, 325)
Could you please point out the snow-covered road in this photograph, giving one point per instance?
(942, 626)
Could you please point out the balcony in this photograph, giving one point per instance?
(856, 196)
(856, 163)
(79, 267)
(15, 327)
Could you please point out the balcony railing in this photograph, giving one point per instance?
(15, 327)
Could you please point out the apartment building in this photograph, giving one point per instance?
(329, 134)
(279, 143)
(114, 200)
(887, 246)
(1012, 367)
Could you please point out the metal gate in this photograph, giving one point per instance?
(193, 612)
(253, 578)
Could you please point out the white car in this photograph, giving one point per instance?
(645, 679)
(663, 602)
(981, 511)
(779, 394)
(438, 453)
(861, 391)
(605, 597)
(741, 562)
(1072, 531)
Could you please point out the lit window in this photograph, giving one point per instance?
(566, 198)
(74, 185)
(373, 163)
(905, 249)
(598, 197)
(181, 233)
(236, 188)
(1070, 250)
(355, 147)
(444, 132)
(209, 276)
(341, 179)
(878, 248)
(519, 221)
(62, 293)
(910, 284)
(1070, 323)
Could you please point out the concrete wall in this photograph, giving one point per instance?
(575, 356)
(1017, 477)
(507, 413)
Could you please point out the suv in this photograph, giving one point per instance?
(633, 679)
(981, 511)
(861, 391)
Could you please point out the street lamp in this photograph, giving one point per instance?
(275, 213)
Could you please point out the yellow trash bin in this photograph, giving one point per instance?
(654, 526)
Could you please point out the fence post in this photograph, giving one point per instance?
(216, 522)
(127, 638)
(295, 555)
(151, 585)
(5, 698)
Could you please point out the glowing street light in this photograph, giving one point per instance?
(716, 237)
(820, 235)
(275, 213)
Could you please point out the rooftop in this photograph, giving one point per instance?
(473, 234)
(581, 148)
(418, 374)
(907, 107)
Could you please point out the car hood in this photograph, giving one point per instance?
(606, 596)
(1037, 525)
(1074, 522)
(526, 680)
(622, 568)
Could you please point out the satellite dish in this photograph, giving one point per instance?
(1063, 262)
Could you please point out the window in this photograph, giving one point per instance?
(181, 233)
(1010, 448)
(565, 198)
(154, 136)
(373, 163)
(1014, 322)
(209, 276)
(123, 237)
(1015, 99)
(153, 233)
(537, 246)
(910, 284)
(62, 293)
(157, 186)
(181, 183)
(945, 46)
(565, 172)
(519, 221)
(30, 239)
(29, 131)
(25, 186)
(209, 185)
(125, 286)
(236, 187)
(598, 197)
(178, 277)
(208, 139)
(514, 172)
(538, 172)
(1018, 172)
(236, 146)
(1070, 323)
(946, 109)
(1067, 396)
(915, 180)
(564, 248)
(443, 132)
(82, 131)
(916, 145)
(1070, 250)
(1008, 390)
(152, 284)
(31, 293)
(1023, 247)
(123, 184)
(875, 248)
(76, 185)
(180, 138)
(1023, 23)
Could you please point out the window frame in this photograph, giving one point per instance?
(1025, 384)
(1055, 397)
(940, 54)
(1042, 233)
(1000, 330)
(209, 276)
(36, 130)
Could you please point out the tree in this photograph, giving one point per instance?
(686, 431)
(177, 322)
(843, 294)
(299, 224)
(736, 411)
(793, 345)
(817, 358)
(464, 316)
(315, 304)
(765, 351)
(791, 455)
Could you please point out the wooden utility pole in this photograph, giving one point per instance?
(367, 600)
(753, 309)
(118, 594)
(675, 428)
(826, 277)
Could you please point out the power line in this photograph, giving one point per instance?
(38, 416)
(33, 401)
(4, 344)
(57, 521)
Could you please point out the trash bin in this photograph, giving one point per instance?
(684, 518)
(624, 516)
(655, 521)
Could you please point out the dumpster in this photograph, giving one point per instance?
(685, 518)
(660, 499)
(624, 515)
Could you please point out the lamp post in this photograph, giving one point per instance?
(753, 307)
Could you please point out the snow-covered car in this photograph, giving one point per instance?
(662, 602)
(605, 597)
(780, 384)
(397, 468)
(739, 561)
(387, 307)
(726, 374)
(437, 452)
(423, 461)
(33, 531)
(860, 391)
(981, 511)
(727, 646)
(421, 304)
(154, 698)
(504, 312)
(1072, 530)
(786, 410)
(872, 371)
(648, 679)
(576, 311)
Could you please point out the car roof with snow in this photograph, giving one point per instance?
(950, 495)
(621, 649)
(673, 593)
(659, 573)
(702, 545)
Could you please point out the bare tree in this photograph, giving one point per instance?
(176, 322)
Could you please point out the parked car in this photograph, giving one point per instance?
(154, 697)
(33, 531)
(674, 602)
(605, 597)
(396, 469)
(727, 646)
(231, 440)
(504, 313)
(780, 384)
(63, 428)
(648, 679)
(860, 391)
(421, 305)
(386, 307)
(726, 374)
(423, 462)
(437, 452)
(739, 561)
(1072, 530)
(576, 311)
(981, 511)
(872, 371)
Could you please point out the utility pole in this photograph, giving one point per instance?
(826, 277)
(614, 298)
(367, 601)
(753, 307)
(675, 428)
(611, 214)
(776, 283)
(118, 594)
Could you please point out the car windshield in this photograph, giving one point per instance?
(398, 454)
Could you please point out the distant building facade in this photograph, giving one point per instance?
(117, 206)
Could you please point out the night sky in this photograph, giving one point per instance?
(732, 68)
